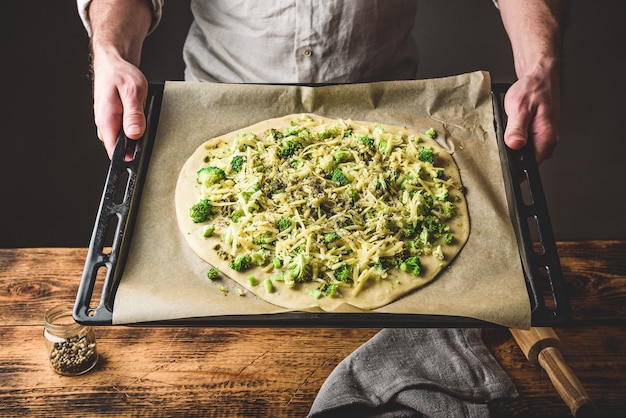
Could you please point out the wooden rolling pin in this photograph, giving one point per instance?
(542, 347)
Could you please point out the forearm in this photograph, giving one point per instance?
(119, 27)
(534, 28)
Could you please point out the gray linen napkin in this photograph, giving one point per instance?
(414, 373)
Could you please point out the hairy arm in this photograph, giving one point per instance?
(532, 103)
(118, 29)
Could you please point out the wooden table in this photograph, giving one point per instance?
(274, 372)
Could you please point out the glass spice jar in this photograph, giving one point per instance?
(71, 346)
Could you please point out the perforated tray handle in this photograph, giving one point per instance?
(115, 218)
(531, 221)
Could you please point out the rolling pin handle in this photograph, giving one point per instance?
(542, 347)
(566, 382)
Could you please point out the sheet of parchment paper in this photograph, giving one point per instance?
(163, 279)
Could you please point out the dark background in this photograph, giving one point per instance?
(52, 167)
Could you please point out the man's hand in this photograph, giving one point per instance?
(532, 106)
(120, 91)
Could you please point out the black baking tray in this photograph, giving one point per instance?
(113, 230)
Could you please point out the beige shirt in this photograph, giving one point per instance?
(297, 41)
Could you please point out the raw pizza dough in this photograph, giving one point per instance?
(321, 205)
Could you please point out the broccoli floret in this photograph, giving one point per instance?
(448, 238)
(323, 134)
(438, 253)
(263, 239)
(330, 237)
(424, 235)
(428, 199)
(289, 148)
(201, 211)
(406, 183)
(297, 164)
(332, 290)
(208, 230)
(367, 140)
(382, 146)
(277, 262)
(431, 231)
(418, 247)
(237, 163)
(431, 133)
(371, 214)
(274, 134)
(429, 223)
(338, 177)
(442, 193)
(344, 273)
(292, 130)
(408, 231)
(210, 175)
(283, 224)
(380, 271)
(241, 262)
(305, 134)
(297, 130)
(447, 209)
(236, 216)
(243, 141)
(426, 154)
(437, 174)
(246, 195)
(275, 186)
(411, 265)
(212, 273)
(228, 235)
(342, 156)
(331, 132)
(258, 257)
(299, 268)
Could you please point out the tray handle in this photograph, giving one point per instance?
(115, 219)
(536, 242)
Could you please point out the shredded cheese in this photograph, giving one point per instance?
(358, 200)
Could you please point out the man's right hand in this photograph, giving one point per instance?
(120, 91)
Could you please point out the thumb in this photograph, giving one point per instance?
(134, 120)
(516, 133)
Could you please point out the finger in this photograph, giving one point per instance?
(133, 100)
(545, 138)
(516, 132)
(108, 119)
(109, 144)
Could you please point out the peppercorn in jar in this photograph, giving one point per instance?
(71, 346)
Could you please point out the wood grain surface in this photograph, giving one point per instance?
(275, 372)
